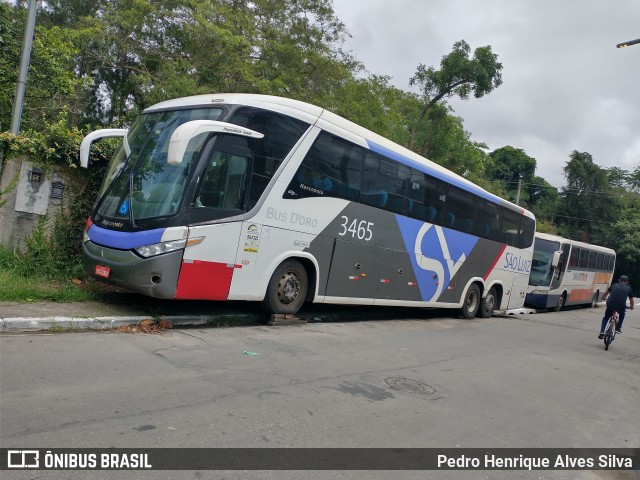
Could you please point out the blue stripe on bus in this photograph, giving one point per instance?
(431, 171)
(124, 240)
(458, 244)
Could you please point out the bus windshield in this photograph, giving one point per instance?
(144, 185)
(541, 268)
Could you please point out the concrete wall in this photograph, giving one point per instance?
(30, 195)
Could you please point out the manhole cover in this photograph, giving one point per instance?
(409, 385)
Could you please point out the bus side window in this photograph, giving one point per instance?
(488, 221)
(332, 167)
(461, 210)
(574, 258)
(528, 232)
(584, 258)
(281, 133)
(600, 261)
(510, 227)
(435, 197)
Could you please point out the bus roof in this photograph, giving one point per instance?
(336, 124)
(556, 238)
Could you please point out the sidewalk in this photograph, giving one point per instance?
(92, 315)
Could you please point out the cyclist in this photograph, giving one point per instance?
(616, 298)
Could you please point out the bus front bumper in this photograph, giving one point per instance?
(154, 276)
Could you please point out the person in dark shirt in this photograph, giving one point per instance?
(616, 299)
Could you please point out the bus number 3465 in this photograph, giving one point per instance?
(358, 229)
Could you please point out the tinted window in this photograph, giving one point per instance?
(528, 231)
(510, 227)
(488, 223)
(280, 132)
(574, 260)
(584, 258)
(332, 167)
(384, 184)
(600, 261)
(427, 197)
(461, 210)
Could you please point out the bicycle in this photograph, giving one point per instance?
(610, 329)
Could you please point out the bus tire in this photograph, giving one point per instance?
(562, 299)
(287, 288)
(471, 302)
(594, 299)
(488, 304)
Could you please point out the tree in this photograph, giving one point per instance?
(588, 205)
(136, 52)
(373, 103)
(543, 199)
(634, 179)
(458, 75)
(50, 83)
(618, 177)
(513, 167)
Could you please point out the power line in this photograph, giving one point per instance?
(566, 189)
(590, 220)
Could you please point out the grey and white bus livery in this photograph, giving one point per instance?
(262, 198)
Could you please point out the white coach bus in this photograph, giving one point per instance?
(262, 198)
(566, 272)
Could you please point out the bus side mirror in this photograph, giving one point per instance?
(556, 259)
(85, 146)
(182, 135)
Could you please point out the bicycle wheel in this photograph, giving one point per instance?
(608, 335)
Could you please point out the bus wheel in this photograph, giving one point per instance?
(471, 302)
(560, 304)
(488, 304)
(594, 300)
(287, 288)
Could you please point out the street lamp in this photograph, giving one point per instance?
(628, 43)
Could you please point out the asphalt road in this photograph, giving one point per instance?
(541, 380)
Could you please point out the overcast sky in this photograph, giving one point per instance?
(565, 84)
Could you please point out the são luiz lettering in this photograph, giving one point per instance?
(522, 462)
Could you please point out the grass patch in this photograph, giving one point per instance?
(17, 288)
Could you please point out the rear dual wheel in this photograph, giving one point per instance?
(488, 303)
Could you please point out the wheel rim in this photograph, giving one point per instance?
(490, 302)
(472, 301)
(288, 288)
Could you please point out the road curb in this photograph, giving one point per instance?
(58, 323)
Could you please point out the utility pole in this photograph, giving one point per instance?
(22, 76)
(24, 67)
(518, 193)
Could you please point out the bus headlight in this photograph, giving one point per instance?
(160, 248)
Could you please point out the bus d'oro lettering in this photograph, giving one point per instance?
(298, 219)
(293, 218)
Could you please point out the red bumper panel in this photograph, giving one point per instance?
(204, 281)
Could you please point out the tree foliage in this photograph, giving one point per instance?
(98, 63)
(459, 75)
(51, 80)
(588, 201)
(135, 52)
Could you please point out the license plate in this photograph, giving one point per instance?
(102, 271)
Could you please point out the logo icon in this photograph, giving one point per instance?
(23, 459)
(124, 208)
